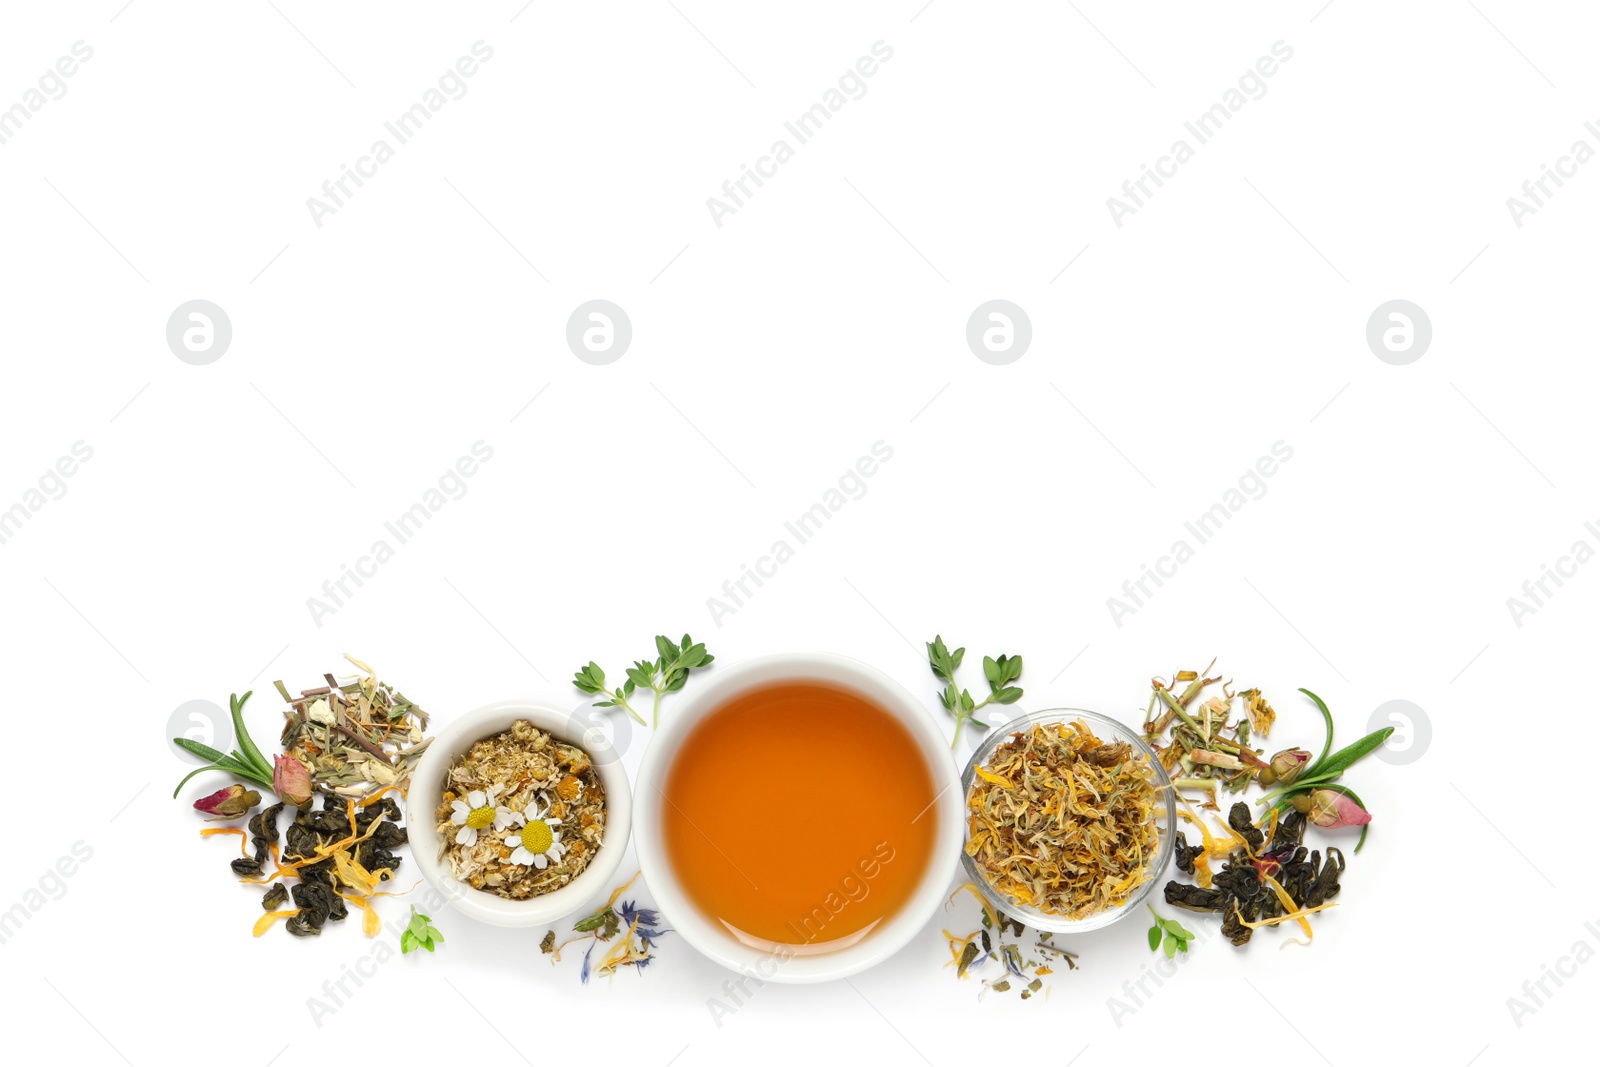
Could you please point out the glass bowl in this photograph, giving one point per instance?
(1165, 815)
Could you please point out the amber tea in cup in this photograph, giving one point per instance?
(799, 814)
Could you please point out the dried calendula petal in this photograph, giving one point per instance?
(1259, 711)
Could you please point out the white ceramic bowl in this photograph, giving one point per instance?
(427, 786)
(772, 963)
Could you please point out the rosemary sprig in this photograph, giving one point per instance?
(1000, 673)
(245, 762)
(667, 673)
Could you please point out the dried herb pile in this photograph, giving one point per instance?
(338, 856)
(1061, 821)
(1262, 881)
(522, 814)
(1206, 749)
(355, 738)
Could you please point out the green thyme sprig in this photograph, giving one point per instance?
(1000, 673)
(419, 933)
(1168, 934)
(667, 673)
(245, 762)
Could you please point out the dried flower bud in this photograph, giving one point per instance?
(229, 803)
(1287, 765)
(290, 779)
(1331, 808)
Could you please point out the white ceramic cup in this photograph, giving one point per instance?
(795, 964)
(427, 786)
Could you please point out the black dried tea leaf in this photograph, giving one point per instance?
(300, 927)
(1234, 929)
(1239, 819)
(1325, 885)
(1291, 829)
(1180, 895)
(264, 825)
(1184, 855)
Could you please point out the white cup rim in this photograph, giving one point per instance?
(897, 930)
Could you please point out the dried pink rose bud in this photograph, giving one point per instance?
(290, 780)
(1287, 765)
(1331, 808)
(229, 803)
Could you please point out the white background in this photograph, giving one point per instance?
(829, 313)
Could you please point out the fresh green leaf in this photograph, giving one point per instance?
(590, 679)
(999, 672)
(419, 933)
(1340, 761)
(667, 672)
(1176, 929)
(1327, 717)
(250, 754)
(223, 760)
(1170, 946)
(1155, 936)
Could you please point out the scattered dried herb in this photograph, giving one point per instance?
(419, 933)
(522, 814)
(635, 949)
(667, 673)
(1000, 673)
(355, 738)
(1063, 822)
(1001, 940)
